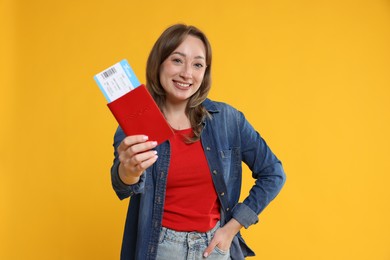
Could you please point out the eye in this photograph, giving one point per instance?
(198, 65)
(177, 60)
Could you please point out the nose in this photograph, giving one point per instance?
(186, 71)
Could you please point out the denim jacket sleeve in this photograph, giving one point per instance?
(123, 190)
(266, 169)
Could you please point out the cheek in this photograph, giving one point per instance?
(164, 68)
(163, 82)
(167, 72)
(200, 77)
(164, 73)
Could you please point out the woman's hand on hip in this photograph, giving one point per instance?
(223, 237)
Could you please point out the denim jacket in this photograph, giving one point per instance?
(228, 140)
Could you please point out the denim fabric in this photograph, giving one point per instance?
(228, 139)
(175, 245)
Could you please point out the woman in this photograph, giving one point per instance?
(184, 192)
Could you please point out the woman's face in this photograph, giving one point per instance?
(181, 74)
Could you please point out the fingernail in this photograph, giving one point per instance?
(205, 255)
(154, 143)
(145, 137)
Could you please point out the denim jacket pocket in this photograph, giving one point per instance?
(226, 160)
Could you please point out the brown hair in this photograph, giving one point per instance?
(169, 40)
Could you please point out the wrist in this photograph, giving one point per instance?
(126, 177)
(233, 227)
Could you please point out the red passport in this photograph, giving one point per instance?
(137, 113)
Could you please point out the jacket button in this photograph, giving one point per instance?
(222, 193)
(215, 172)
(227, 209)
(208, 148)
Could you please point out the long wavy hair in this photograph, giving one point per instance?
(169, 40)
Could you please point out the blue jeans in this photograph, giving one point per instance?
(174, 245)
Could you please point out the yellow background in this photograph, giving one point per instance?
(312, 76)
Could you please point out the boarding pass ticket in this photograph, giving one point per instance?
(117, 80)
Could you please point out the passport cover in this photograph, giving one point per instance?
(137, 113)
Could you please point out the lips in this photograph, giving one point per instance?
(182, 85)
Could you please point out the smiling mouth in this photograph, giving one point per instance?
(182, 85)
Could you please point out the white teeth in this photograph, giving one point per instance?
(182, 84)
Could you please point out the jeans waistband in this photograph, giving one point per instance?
(184, 236)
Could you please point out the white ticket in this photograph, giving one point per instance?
(117, 80)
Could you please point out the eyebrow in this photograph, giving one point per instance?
(182, 54)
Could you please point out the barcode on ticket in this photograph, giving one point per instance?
(117, 80)
(108, 73)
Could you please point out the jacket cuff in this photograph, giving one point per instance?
(122, 189)
(245, 215)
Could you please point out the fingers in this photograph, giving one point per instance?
(210, 248)
(135, 154)
(220, 240)
(133, 145)
(131, 140)
(140, 162)
(135, 151)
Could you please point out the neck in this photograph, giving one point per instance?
(176, 116)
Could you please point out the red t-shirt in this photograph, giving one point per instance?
(191, 202)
